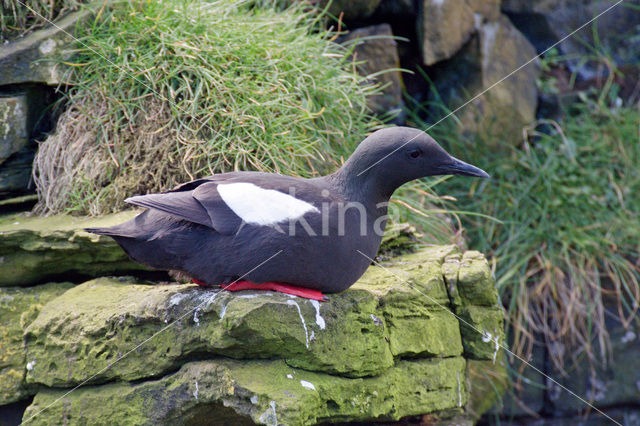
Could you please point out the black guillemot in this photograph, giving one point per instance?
(252, 230)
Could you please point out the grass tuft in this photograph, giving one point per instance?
(168, 91)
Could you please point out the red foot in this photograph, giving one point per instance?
(200, 283)
(306, 293)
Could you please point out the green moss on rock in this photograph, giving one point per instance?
(475, 301)
(18, 308)
(482, 331)
(428, 332)
(265, 392)
(33, 249)
(475, 282)
(390, 346)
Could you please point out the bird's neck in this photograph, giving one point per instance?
(368, 187)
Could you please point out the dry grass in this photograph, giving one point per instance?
(18, 17)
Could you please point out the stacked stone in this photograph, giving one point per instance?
(467, 46)
(30, 69)
(401, 342)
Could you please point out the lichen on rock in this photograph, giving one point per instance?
(476, 303)
(18, 308)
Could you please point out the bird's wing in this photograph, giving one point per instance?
(185, 205)
(225, 204)
(253, 204)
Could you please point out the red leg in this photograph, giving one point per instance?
(306, 293)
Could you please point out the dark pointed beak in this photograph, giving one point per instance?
(458, 167)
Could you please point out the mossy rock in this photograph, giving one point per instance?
(34, 249)
(475, 301)
(357, 333)
(389, 347)
(18, 308)
(482, 331)
(265, 392)
(470, 279)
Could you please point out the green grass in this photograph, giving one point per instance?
(167, 91)
(566, 238)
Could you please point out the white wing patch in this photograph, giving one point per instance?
(258, 206)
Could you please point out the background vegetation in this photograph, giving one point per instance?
(566, 212)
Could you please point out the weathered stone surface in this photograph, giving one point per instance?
(14, 132)
(488, 9)
(467, 276)
(377, 50)
(495, 52)
(207, 321)
(266, 392)
(34, 57)
(34, 248)
(475, 301)
(488, 321)
(21, 118)
(546, 22)
(445, 25)
(511, 104)
(15, 174)
(18, 307)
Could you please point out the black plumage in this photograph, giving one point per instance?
(198, 228)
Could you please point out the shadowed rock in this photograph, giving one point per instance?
(444, 27)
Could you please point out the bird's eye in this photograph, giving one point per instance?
(415, 153)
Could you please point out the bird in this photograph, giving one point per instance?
(265, 231)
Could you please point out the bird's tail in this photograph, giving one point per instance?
(113, 231)
(99, 231)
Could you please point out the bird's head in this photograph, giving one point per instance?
(393, 156)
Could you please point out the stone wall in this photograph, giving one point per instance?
(30, 72)
(401, 342)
